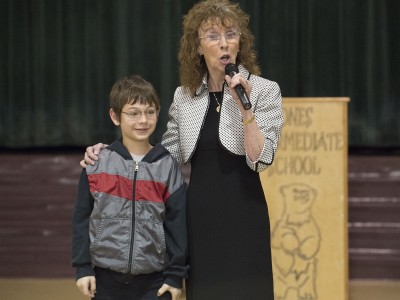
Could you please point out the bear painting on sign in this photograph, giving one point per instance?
(295, 241)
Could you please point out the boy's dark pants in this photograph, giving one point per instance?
(111, 285)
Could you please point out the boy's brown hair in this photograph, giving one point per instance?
(132, 89)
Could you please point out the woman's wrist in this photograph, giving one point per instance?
(248, 120)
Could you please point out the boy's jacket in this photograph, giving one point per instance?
(137, 211)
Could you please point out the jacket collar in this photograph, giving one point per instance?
(158, 151)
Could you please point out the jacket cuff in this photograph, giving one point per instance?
(174, 281)
(83, 271)
(264, 160)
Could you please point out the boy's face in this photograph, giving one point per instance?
(137, 122)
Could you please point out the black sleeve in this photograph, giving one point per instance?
(176, 238)
(81, 259)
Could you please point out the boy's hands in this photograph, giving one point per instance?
(91, 154)
(87, 285)
(175, 292)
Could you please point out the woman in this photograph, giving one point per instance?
(228, 224)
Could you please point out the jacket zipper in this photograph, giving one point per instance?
(128, 273)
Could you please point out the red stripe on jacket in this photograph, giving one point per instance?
(120, 186)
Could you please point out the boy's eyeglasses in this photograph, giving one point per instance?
(230, 37)
(137, 114)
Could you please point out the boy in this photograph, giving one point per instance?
(129, 221)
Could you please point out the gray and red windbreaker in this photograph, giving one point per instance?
(130, 216)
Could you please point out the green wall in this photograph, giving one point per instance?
(59, 59)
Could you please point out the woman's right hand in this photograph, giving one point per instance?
(91, 154)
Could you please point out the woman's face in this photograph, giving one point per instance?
(219, 45)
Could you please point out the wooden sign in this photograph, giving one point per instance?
(306, 192)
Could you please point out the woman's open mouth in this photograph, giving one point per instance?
(225, 59)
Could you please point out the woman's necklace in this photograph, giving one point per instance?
(219, 105)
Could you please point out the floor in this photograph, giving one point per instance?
(64, 289)
(35, 240)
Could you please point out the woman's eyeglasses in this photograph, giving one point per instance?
(230, 37)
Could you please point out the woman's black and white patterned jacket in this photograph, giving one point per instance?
(187, 114)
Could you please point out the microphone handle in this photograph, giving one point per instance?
(240, 91)
(243, 96)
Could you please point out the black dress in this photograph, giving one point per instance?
(229, 233)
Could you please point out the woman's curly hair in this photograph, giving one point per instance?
(192, 65)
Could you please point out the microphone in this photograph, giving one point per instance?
(231, 70)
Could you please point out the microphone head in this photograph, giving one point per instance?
(231, 69)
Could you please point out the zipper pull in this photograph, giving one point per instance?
(136, 166)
